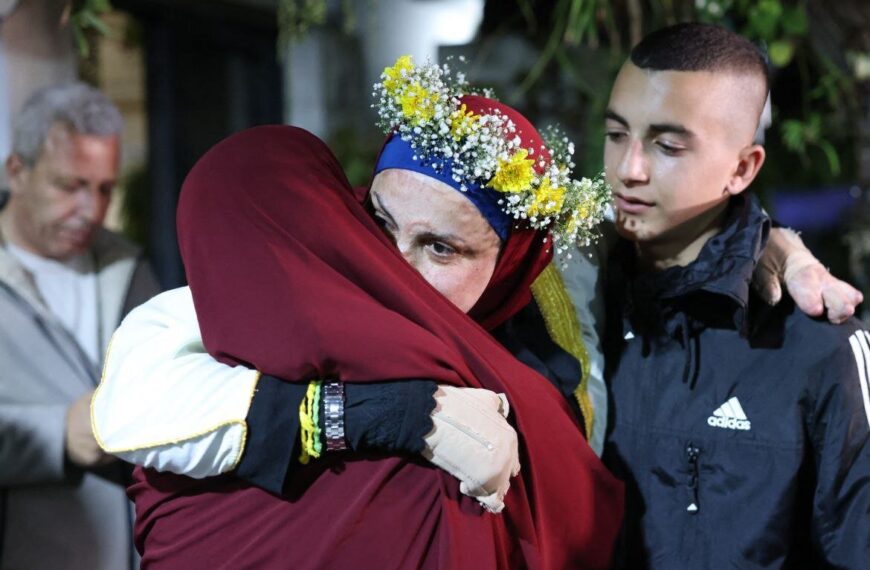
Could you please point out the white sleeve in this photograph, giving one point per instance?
(163, 401)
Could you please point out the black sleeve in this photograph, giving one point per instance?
(390, 417)
(272, 444)
(840, 430)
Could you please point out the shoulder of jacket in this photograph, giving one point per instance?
(823, 339)
(839, 360)
(110, 246)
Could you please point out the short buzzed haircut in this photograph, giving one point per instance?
(706, 47)
(700, 47)
(77, 106)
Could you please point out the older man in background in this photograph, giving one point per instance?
(65, 283)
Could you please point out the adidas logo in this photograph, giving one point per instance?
(730, 415)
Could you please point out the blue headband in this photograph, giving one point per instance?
(398, 153)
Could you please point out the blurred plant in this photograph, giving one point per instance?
(825, 90)
(574, 22)
(356, 151)
(135, 204)
(297, 17)
(814, 113)
(86, 19)
(584, 42)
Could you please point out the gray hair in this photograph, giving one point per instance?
(78, 106)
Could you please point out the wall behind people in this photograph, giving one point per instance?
(211, 69)
(35, 51)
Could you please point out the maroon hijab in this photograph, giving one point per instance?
(290, 275)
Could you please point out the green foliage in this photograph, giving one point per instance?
(87, 17)
(135, 204)
(815, 122)
(574, 23)
(825, 91)
(582, 43)
(297, 17)
(356, 152)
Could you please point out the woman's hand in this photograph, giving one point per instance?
(472, 440)
(787, 260)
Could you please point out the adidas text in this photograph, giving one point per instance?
(729, 423)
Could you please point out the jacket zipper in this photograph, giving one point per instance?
(692, 454)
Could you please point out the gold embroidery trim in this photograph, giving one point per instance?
(174, 441)
(564, 327)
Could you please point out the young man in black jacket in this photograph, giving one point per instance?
(740, 429)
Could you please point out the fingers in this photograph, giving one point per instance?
(840, 298)
(805, 287)
(505, 407)
(492, 502)
(766, 282)
(472, 440)
(815, 291)
(80, 443)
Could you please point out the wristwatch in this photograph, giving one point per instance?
(333, 416)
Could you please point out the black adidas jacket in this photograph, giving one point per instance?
(741, 430)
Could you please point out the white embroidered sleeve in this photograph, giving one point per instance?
(163, 401)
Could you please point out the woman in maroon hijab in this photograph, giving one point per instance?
(291, 275)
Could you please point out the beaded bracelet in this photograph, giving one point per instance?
(309, 423)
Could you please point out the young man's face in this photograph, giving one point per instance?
(674, 143)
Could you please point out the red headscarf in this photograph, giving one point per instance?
(291, 275)
(525, 253)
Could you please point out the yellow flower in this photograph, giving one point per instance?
(547, 200)
(573, 223)
(417, 104)
(394, 74)
(515, 174)
(578, 216)
(461, 121)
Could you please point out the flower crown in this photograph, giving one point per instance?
(422, 104)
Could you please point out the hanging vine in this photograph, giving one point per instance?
(86, 20)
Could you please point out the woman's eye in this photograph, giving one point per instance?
(614, 136)
(386, 226)
(382, 221)
(441, 249)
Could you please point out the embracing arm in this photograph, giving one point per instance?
(165, 403)
(786, 260)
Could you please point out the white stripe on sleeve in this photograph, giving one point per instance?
(861, 351)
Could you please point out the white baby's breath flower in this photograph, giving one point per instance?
(421, 103)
